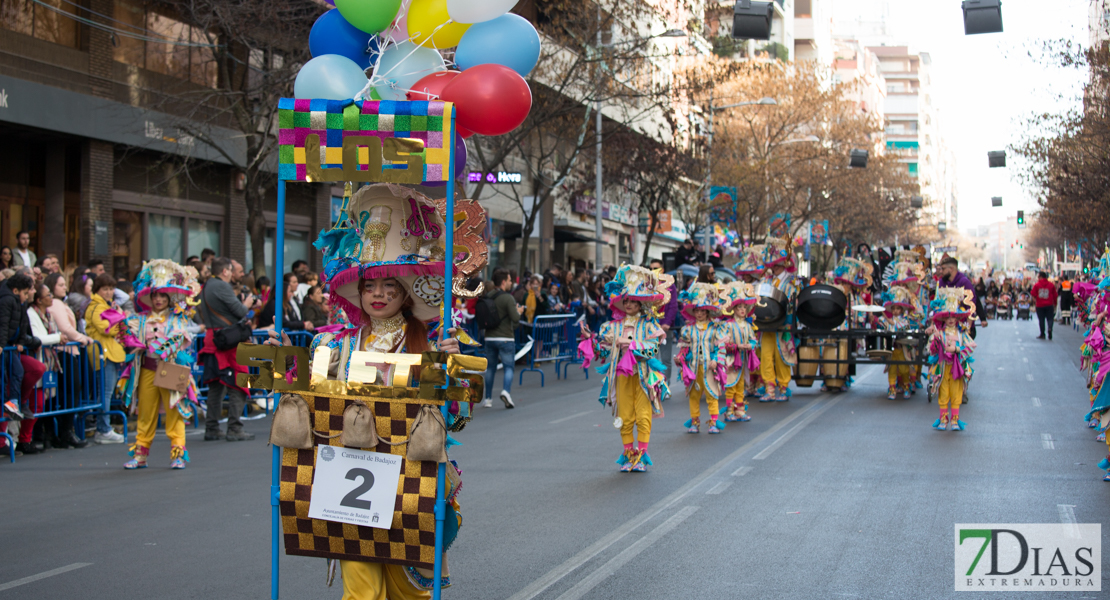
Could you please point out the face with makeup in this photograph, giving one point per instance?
(631, 307)
(382, 298)
(896, 310)
(740, 311)
(701, 315)
(159, 302)
(950, 323)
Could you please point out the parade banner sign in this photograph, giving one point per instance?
(348, 140)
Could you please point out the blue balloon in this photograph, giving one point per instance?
(329, 77)
(509, 40)
(332, 34)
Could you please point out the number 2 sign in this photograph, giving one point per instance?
(355, 486)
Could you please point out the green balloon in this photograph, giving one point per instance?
(374, 94)
(371, 16)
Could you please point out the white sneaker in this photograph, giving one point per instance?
(108, 438)
(488, 403)
(507, 399)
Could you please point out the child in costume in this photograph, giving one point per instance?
(698, 352)
(901, 315)
(634, 384)
(777, 353)
(749, 270)
(736, 336)
(950, 349)
(162, 332)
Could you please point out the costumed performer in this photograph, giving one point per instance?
(736, 336)
(698, 353)
(950, 349)
(901, 314)
(634, 383)
(854, 277)
(777, 352)
(749, 270)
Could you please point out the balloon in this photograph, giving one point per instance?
(332, 34)
(430, 87)
(460, 162)
(401, 66)
(490, 99)
(428, 20)
(477, 11)
(329, 77)
(330, 2)
(371, 16)
(399, 30)
(508, 40)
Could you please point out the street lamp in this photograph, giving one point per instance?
(599, 188)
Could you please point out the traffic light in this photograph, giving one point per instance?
(1021, 217)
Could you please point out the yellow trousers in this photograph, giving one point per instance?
(951, 390)
(695, 393)
(735, 396)
(894, 373)
(772, 368)
(150, 399)
(377, 581)
(634, 409)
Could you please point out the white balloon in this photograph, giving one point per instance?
(477, 11)
(401, 66)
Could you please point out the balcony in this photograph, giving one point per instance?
(803, 30)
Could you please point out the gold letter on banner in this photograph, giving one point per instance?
(361, 370)
(261, 357)
(300, 384)
(351, 163)
(406, 150)
(361, 365)
(313, 172)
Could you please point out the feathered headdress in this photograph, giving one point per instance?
(777, 251)
(751, 261)
(906, 272)
(699, 296)
(900, 296)
(853, 272)
(637, 283)
(737, 292)
(167, 277)
(952, 302)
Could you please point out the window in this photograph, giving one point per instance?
(912, 168)
(48, 20)
(297, 247)
(174, 53)
(163, 237)
(203, 234)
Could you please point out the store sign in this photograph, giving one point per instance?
(584, 205)
(495, 177)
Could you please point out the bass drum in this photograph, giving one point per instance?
(770, 312)
(838, 370)
(822, 306)
(806, 372)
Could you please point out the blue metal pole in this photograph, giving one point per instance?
(275, 469)
(445, 324)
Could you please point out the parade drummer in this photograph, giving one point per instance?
(161, 334)
(950, 349)
(736, 338)
(901, 314)
(385, 269)
(854, 277)
(634, 383)
(777, 353)
(698, 354)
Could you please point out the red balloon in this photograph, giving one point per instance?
(462, 131)
(490, 99)
(431, 86)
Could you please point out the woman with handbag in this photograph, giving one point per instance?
(387, 276)
(158, 377)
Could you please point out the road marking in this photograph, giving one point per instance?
(717, 489)
(1067, 517)
(607, 570)
(1046, 442)
(574, 416)
(775, 445)
(742, 471)
(1036, 402)
(1029, 377)
(568, 566)
(33, 578)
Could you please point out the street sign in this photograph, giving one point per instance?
(355, 486)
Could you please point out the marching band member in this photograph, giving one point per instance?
(901, 315)
(777, 353)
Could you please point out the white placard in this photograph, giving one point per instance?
(355, 486)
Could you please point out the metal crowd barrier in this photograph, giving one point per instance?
(552, 340)
(76, 387)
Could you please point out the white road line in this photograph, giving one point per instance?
(574, 416)
(1067, 517)
(717, 489)
(742, 471)
(775, 445)
(33, 578)
(1029, 377)
(607, 570)
(1036, 402)
(1046, 442)
(568, 566)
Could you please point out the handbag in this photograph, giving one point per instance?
(359, 427)
(428, 436)
(172, 376)
(291, 427)
(226, 338)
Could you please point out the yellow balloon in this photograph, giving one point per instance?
(428, 25)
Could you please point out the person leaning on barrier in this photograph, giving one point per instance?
(23, 371)
(45, 328)
(219, 308)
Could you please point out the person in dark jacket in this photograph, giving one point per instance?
(291, 317)
(221, 308)
(312, 310)
(23, 371)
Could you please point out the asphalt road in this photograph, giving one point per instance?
(826, 496)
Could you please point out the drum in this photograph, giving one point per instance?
(831, 369)
(909, 342)
(880, 346)
(805, 372)
(770, 311)
(822, 306)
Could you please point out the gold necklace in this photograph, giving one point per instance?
(385, 334)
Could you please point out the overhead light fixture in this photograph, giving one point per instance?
(996, 158)
(982, 16)
(996, 201)
(858, 159)
(752, 20)
(673, 33)
(942, 226)
(917, 201)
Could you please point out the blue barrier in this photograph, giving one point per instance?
(549, 343)
(75, 386)
(258, 336)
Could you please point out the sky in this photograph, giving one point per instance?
(986, 85)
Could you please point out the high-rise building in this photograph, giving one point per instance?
(813, 32)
